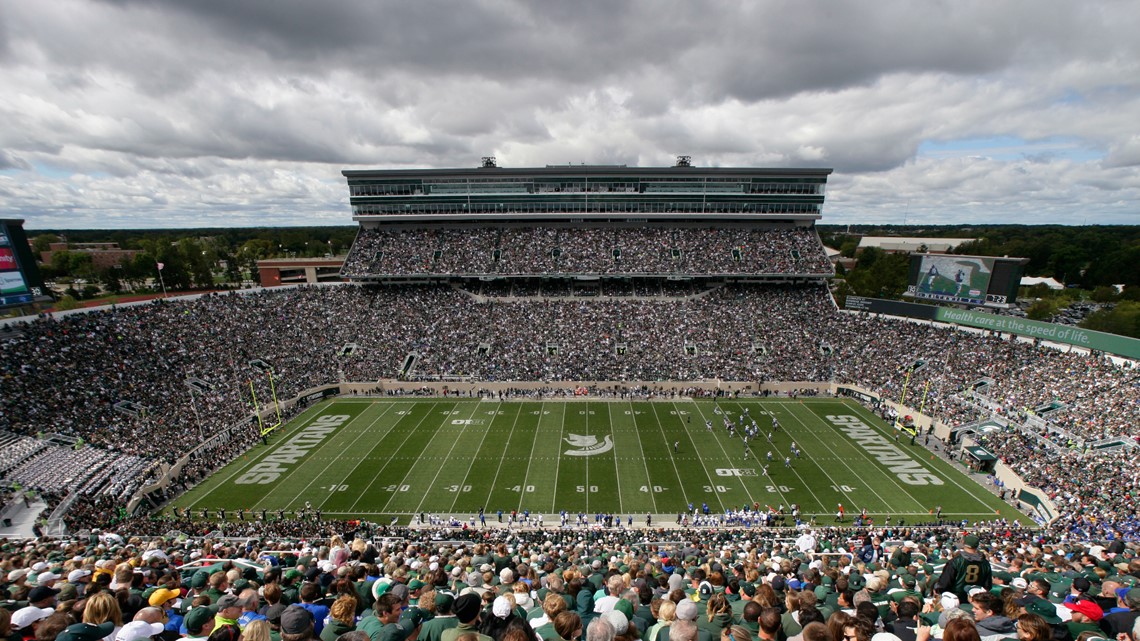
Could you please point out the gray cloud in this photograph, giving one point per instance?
(139, 111)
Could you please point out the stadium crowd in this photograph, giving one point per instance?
(72, 374)
(362, 582)
(577, 250)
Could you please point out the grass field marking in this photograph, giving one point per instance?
(364, 458)
(255, 459)
(617, 469)
(434, 433)
(865, 456)
(673, 460)
(873, 424)
(890, 509)
(795, 470)
(391, 427)
(503, 454)
(558, 464)
(648, 476)
(693, 443)
(728, 458)
(949, 477)
(534, 441)
(587, 461)
(834, 483)
(447, 459)
(383, 467)
(478, 449)
(343, 429)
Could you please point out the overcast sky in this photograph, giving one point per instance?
(191, 113)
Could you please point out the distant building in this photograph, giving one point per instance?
(905, 245)
(275, 272)
(1051, 283)
(103, 255)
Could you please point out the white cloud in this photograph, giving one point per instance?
(156, 114)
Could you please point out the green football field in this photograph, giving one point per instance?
(377, 459)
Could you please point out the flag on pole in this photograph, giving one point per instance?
(160, 266)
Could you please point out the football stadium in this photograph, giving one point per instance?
(582, 401)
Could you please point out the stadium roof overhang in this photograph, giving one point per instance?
(516, 217)
(591, 170)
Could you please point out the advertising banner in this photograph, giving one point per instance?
(1065, 334)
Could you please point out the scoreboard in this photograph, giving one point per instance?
(20, 282)
(965, 280)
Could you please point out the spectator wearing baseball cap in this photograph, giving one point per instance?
(200, 622)
(467, 609)
(445, 618)
(43, 597)
(230, 608)
(138, 631)
(968, 568)
(296, 624)
(26, 621)
(1086, 616)
(1119, 623)
(87, 632)
(78, 580)
(166, 599)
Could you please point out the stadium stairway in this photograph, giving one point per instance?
(22, 519)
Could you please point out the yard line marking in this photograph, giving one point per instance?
(558, 463)
(783, 498)
(672, 459)
(716, 437)
(502, 455)
(418, 458)
(837, 457)
(530, 459)
(712, 483)
(644, 459)
(875, 465)
(447, 459)
(478, 449)
(366, 430)
(314, 410)
(389, 459)
(613, 453)
(948, 477)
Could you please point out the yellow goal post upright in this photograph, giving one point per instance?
(899, 423)
(263, 428)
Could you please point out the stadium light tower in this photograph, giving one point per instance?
(684, 161)
(489, 162)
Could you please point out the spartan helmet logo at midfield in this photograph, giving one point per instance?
(588, 445)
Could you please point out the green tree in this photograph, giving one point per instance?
(109, 278)
(41, 242)
(1123, 319)
(1042, 309)
(66, 302)
(1103, 294)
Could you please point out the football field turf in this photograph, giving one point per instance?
(376, 459)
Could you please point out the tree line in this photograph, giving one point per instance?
(1091, 261)
(191, 259)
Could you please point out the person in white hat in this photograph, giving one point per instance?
(27, 619)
